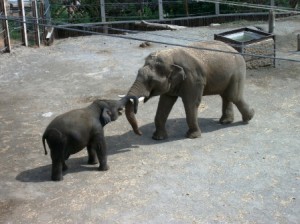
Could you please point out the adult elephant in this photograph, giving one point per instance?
(191, 73)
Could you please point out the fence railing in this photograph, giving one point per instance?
(31, 25)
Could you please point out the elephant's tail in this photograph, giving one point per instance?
(44, 144)
(51, 135)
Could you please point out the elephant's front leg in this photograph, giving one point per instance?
(191, 104)
(99, 145)
(163, 110)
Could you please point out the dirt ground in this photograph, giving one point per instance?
(233, 174)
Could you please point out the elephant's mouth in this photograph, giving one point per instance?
(141, 98)
(152, 94)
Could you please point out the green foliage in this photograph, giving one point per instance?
(116, 10)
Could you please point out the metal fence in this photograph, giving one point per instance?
(20, 24)
(30, 25)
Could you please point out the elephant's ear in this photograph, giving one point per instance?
(105, 117)
(177, 75)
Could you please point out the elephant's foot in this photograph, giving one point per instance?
(58, 177)
(103, 167)
(247, 117)
(226, 119)
(56, 172)
(92, 161)
(193, 134)
(159, 135)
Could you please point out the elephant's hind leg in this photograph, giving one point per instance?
(58, 164)
(235, 94)
(57, 148)
(246, 111)
(92, 155)
(227, 111)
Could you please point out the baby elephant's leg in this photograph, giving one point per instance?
(99, 145)
(92, 155)
(57, 165)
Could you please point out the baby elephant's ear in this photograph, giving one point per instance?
(177, 75)
(105, 117)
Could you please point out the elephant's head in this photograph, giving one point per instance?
(159, 75)
(115, 107)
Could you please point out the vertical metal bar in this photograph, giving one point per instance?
(5, 27)
(36, 23)
(298, 42)
(102, 10)
(217, 8)
(160, 10)
(186, 5)
(271, 21)
(23, 22)
(42, 15)
(272, 17)
(103, 16)
(274, 61)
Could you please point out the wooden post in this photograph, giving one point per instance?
(5, 27)
(298, 42)
(23, 22)
(36, 23)
(160, 10)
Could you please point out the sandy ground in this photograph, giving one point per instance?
(232, 174)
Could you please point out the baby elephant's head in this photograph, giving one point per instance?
(115, 107)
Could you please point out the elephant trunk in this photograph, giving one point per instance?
(138, 90)
(121, 104)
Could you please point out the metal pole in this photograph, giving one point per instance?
(102, 10)
(298, 41)
(5, 27)
(103, 16)
(23, 23)
(186, 5)
(160, 10)
(36, 23)
(217, 8)
(272, 17)
(42, 15)
(271, 21)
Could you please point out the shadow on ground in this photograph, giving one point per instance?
(123, 143)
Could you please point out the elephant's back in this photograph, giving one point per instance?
(212, 53)
(213, 49)
(71, 120)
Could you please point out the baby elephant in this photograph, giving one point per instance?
(72, 131)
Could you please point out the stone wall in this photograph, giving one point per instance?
(264, 48)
